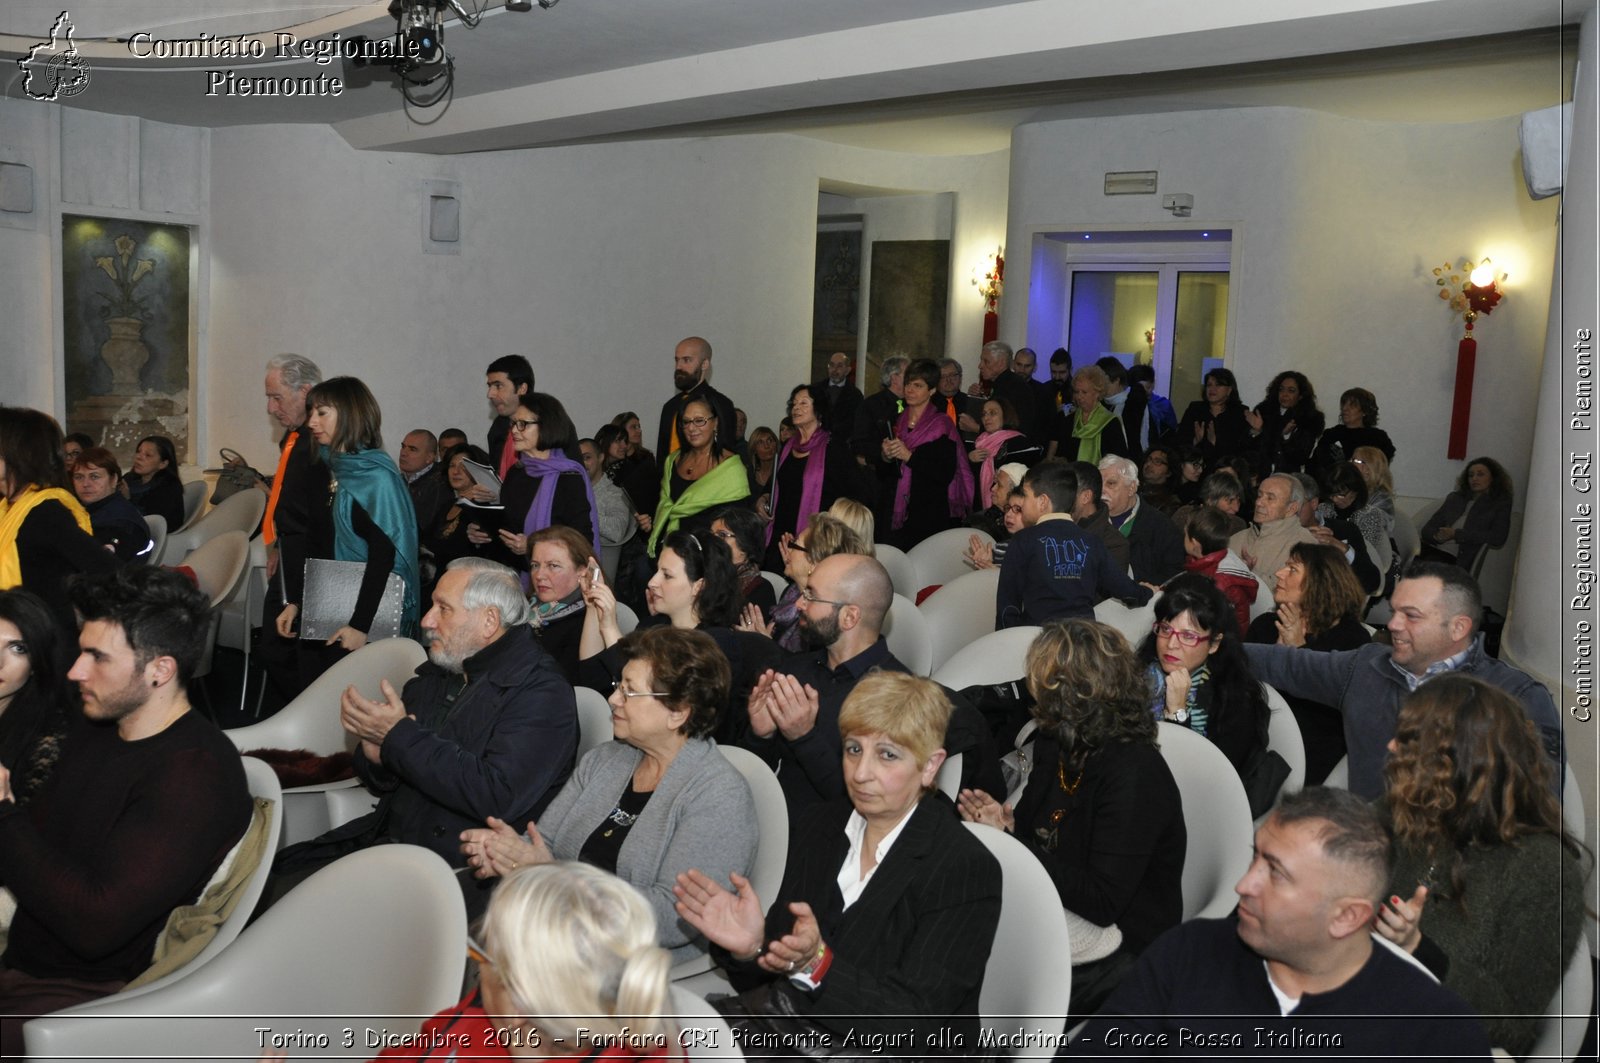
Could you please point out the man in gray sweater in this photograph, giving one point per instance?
(1434, 630)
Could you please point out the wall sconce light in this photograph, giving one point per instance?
(1470, 290)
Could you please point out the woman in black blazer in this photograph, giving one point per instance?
(851, 944)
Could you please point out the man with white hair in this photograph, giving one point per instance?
(1295, 971)
(997, 381)
(486, 727)
(1265, 545)
(1155, 545)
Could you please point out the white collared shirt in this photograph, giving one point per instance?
(851, 881)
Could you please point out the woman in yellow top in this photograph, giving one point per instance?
(698, 477)
(45, 535)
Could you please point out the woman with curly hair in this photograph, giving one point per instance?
(1476, 516)
(1200, 677)
(1216, 424)
(1357, 427)
(1318, 603)
(1286, 424)
(1099, 808)
(1487, 885)
(36, 701)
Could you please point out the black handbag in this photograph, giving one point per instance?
(235, 475)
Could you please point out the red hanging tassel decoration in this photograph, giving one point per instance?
(1461, 409)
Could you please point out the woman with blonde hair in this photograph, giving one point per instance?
(888, 907)
(824, 537)
(1380, 479)
(1099, 807)
(1089, 430)
(859, 519)
(1487, 885)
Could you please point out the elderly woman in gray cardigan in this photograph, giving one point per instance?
(655, 803)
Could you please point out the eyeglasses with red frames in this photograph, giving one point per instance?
(1188, 638)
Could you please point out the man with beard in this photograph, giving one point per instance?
(794, 708)
(487, 727)
(147, 799)
(691, 371)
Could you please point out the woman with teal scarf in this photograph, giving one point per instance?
(373, 519)
(1088, 431)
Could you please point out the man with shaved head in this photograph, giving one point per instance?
(691, 375)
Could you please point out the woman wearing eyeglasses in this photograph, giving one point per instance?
(1200, 677)
(699, 476)
(822, 538)
(656, 802)
(544, 486)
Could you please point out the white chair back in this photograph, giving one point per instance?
(906, 631)
(1339, 774)
(311, 721)
(705, 1034)
(777, 582)
(997, 657)
(383, 929)
(1216, 817)
(594, 719)
(1134, 623)
(1028, 980)
(158, 538)
(961, 612)
(938, 559)
(1570, 1011)
(1284, 738)
(1407, 540)
(240, 512)
(948, 780)
(901, 572)
(218, 563)
(772, 846)
(1263, 602)
(627, 619)
(194, 502)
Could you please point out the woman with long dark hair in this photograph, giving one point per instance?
(699, 476)
(373, 519)
(45, 534)
(1287, 424)
(1318, 603)
(745, 536)
(1486, 885)
(1348, 498)
(36, 701)
(544, 486)
(153, 483)
(1100, 808)
(1216, 425)
(1199, 674)
(1476, 516)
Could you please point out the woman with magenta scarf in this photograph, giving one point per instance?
(999, 444)
(809, 477)
(935, 487)
(373, 519)
(544, 486)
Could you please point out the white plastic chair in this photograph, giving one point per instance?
(311, 721)
(378, 934)
(1216, 817)
(1263, 603)
(1571, 1008)
(1284, 739)
(777, 582)
(263, 783)
(218, 565)
(627, 619)
(705, 1033)
(901, 572)
(1407, 540)
(938, 559)
(240, 512)
(906, 631)
(158, 538)
(948, 781)
(960, 612)
(194, 502)
(1134, 623)
(998, 657)
(594, 719)
(1028, 980)
(772, 846)
(1339, 774)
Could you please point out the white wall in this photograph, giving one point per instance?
(592, 261)
(1337, 224)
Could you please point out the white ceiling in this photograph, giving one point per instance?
(913, 75)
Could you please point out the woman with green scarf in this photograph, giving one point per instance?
(700, 476)
(373, 519)
(1089, 430)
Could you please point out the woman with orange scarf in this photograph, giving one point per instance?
(45, 534)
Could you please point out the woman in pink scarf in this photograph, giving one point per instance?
(999, 444)
(812, 471)
(935, 487)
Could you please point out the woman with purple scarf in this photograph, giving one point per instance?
(934, 490)
(810, 475)
(544, 486)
